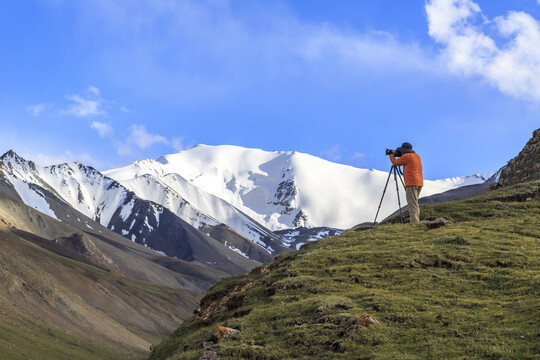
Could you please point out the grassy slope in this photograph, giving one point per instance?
(90, 308)
(469, 290)
(22, 337)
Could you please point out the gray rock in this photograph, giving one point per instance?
(437, 223)
(209, 355)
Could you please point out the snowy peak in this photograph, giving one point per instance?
(278, 190)
(86, 189)
(11, 157)
(80, 186)
(15, 165)
(177, 190)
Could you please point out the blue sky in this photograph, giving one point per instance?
(108, 82)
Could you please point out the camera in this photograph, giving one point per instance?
(396, 153)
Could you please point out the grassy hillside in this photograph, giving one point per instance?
(468, 290)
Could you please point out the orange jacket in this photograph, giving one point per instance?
(412, 168)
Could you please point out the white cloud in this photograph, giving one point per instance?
(125, 109)
(139, 137)
(36, 110)
(375, 50)
(143, 139)
(104, 129)
(333, 154)
(177, 144)
(338, 154)
(91, 105)
(122, 148)
(359, 159)
(513, 66)
(94, 90)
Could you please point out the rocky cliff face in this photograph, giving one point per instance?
(81, 244)
(525, 166)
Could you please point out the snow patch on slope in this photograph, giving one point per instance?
(32, 197)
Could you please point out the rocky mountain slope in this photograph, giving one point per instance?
(525, 166)
(468, 289)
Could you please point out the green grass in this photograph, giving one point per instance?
(25, 338)
(469, 290)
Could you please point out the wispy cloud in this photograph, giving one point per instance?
(229, 49)
(372, 50)
(143, 139)
(104, 129)
(178, 144)
(36, 110)
(85, 105)
(510, 61)
(333, 154)
(138, 138)
(337, 153)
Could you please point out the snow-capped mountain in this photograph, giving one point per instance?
(104, 200)
(278, 190)
(149, 180)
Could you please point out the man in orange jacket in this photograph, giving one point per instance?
(412, 172)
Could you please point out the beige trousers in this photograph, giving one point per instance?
(413, 192)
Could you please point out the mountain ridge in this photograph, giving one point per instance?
(103, 199)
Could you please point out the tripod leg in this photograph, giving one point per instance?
(382, 197)
(401, 178)
(397, 189)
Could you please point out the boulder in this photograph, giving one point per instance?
(437, 223)
(366, 320)
(223, 332)
(209, 355)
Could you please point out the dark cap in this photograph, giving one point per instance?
(405, 148)
(406, 145)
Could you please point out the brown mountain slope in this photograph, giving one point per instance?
(83, 300)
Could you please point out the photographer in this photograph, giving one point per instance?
(412, 172)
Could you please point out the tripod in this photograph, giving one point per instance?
(396, 171)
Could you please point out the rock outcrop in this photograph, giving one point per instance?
(525, 166)
(81, 244)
